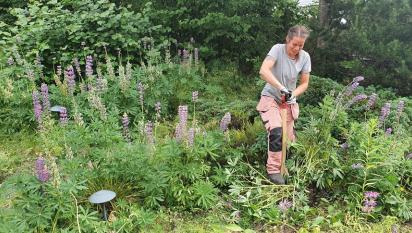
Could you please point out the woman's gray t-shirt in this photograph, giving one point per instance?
(286, 70)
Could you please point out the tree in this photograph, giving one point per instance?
(369, 38)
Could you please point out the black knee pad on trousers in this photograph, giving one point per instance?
(275, 139)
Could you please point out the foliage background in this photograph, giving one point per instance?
(220, 175)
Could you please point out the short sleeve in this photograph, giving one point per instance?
(307, 66)
(274, 51)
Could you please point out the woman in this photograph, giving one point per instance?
(281, 68)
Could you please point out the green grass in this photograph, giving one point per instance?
(17, 152)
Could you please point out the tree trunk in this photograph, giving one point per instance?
(323, 12)
(323, 20)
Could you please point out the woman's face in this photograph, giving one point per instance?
(294, 45)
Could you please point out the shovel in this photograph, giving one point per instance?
(283, 113)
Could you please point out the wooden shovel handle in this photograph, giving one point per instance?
(283, 168)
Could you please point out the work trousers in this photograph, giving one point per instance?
(271, 116)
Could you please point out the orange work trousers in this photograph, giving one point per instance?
(270, 113)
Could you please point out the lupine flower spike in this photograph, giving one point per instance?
(400, 108)
(149, 131)
(369, 201)
(224, 123)
(63, 116)
(37, 106)
(70, 79)
(41, 170)
(181, 127)
(195, 96)
(386, 109)
(285, 205)
(45, 95)
(89, 66)
(77, 66)
(191, 136)
(371, 101)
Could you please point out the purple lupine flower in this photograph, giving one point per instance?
(125, 124)
(284, 205)
(371, 101)
(357, 166)
(63, 116)
(371, 194)
(196, 56)
(181, 127)
(89, 66)
(191, 136)
(224, 123)
(357, 99)
(351, 88)
(358, 79)
(140, 88)
(179, 133)
(10, 61)
(45, 95)
(195, 95)
(70, 79)
(388, 131)
(77, 65)
(59, 70)
(41, 170)
(37, 106)
(183, 112)
(384, 113)
(344, 146)
(400, 108)
(369, 201)
(148, 129)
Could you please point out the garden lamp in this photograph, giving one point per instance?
(102, 197)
